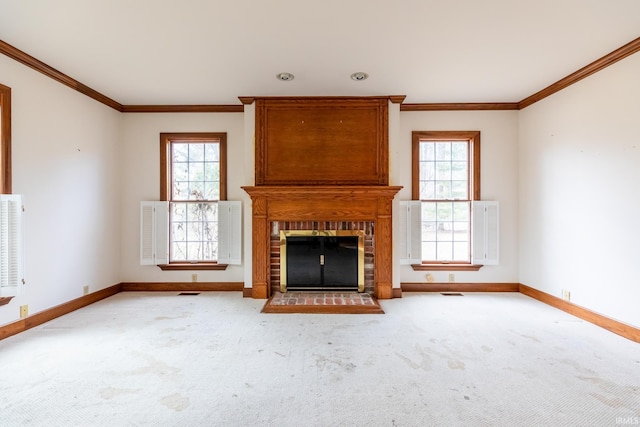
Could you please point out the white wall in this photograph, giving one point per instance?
(65, 163)
(579, 182)
(499, 181)
(140, 174)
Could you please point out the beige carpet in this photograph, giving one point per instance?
(158, 359)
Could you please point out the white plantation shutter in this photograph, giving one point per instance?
(154, 233)
(11, 244)
(484, 223)
(410, 239)
(230, 232)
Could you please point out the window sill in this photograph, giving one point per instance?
(5, 300)
(193, 266)
(446, 267)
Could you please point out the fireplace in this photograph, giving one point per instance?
(321, 260)
(325, 206)
(303, 175)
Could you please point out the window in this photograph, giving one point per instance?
(11, 266)
(446, 179)
(193, 180)
(5, 140)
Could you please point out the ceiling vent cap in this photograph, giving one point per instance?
(285, 77)
(359, 76)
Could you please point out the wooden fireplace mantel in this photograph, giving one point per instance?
(322, 203)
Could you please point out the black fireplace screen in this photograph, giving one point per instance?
(321, 262)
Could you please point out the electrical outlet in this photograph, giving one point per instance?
(24, 311)
(194, 277)
(85, 289)
(566, 295)
(452, 277)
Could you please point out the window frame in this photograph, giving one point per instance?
(473, 138)
(166, 139)
(5, 140)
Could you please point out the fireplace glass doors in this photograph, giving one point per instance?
(321, 260)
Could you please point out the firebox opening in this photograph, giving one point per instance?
(322, 260)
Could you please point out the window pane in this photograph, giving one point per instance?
(461, 251)
(212, 171)
(178, 251)
(459, 190)
(445, 251)
(429, 251)
(461, 211)
(459, 171)
(212, 152)
(443, 190)
(212, 190)
(461, 231)
(196, 152)
(427, 190)
(196, 171)
(444, 211)
(429, 211)
(459, 150)
(180, 190)
(443, 151)
(196, 190)
(180, 152)
(443, 171)
(180, 171)
(427, 151)
(429, 231)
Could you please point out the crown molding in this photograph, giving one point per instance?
(468, 106)
(182, 108)
(597, 65)
(56, 75)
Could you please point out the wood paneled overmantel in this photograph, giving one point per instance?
(322, 203)
(322, 141)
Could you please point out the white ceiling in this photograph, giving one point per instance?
(212, 51)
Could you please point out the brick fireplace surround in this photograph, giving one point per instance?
(364, 226)
(348, 203)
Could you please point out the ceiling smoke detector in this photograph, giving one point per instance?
(359, 76)
(285, 77)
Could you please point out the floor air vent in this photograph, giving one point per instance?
(451, 294)
(189, 293)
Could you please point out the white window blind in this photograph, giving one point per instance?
(230, 232)
(154, 233)
(11, 244)
(410, 239)
(484, 224)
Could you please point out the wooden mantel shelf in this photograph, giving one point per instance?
(323, 191)
(322, 203)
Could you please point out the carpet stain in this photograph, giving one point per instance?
(529, 337)
(614, 402)
(109, 393)
(456, 364)
(179, 316)
(176, 401)
(423, 363)
(154, 367)
(172, 342)
(486, 348)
